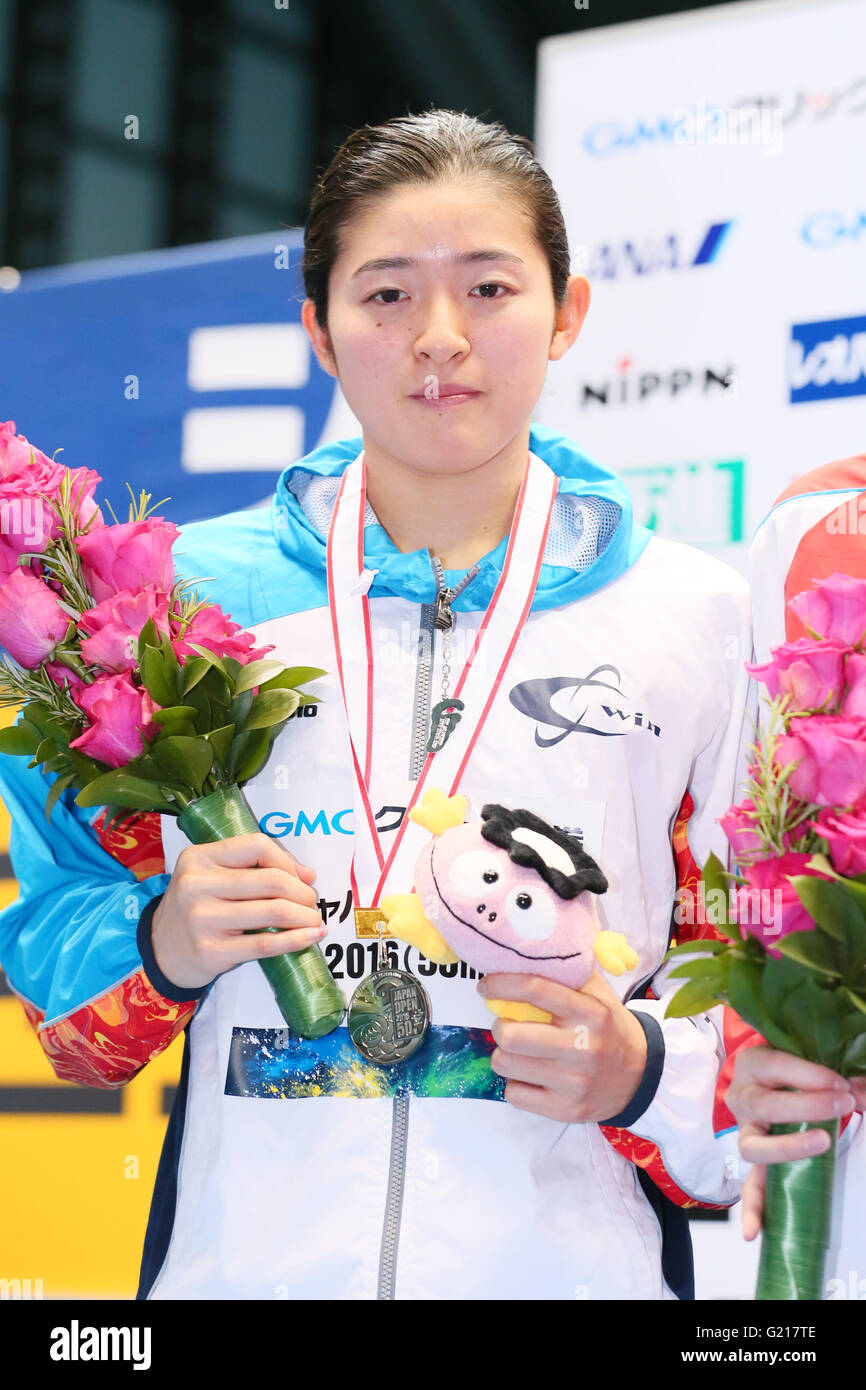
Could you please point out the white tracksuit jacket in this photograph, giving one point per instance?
(298, 1170)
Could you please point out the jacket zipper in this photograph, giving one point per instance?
(430, 612)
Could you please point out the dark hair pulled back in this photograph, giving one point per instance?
(427, 148)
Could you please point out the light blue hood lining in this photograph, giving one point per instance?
(580, 527)
(592, 538)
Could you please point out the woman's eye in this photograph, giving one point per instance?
(490, 286)
(375, 296)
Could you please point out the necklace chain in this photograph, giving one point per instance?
(444, 618)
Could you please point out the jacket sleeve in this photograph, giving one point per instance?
(75, 945)
(676, 1126)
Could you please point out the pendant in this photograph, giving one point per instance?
(445, 719)
(388, 1014)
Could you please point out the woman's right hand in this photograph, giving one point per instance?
(217, 892)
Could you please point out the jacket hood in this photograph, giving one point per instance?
(592, 539)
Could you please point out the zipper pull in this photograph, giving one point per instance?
(444, 618)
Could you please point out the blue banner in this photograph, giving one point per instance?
(185, 372)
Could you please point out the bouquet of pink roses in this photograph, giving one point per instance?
(790, 956)
(135, 692)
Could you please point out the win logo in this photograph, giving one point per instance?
(248, 360)
(827, 360)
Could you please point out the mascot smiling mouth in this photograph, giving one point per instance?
(495, 940)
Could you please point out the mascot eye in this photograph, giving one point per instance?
(474, 873)
(531, 912)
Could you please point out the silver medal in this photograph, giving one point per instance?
(388, 1014)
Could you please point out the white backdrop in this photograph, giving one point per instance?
(712, 172)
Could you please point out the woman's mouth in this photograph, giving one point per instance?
(446, 402)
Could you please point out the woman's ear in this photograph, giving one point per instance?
(319, 337)
(569, 319)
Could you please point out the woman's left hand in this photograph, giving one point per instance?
(585, 1065)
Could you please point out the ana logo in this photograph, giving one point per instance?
(827, 360)
(629, 387)
(592, 704)
(668, 252)
(824, 229)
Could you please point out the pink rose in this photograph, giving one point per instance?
(809, 672)
(128, 556)
(8, 559)
(835, 609)
(855, 677)
(739, 826)
(31, 620)
(212, 628)
(115, 625)
(27, 520)
(15, 451)
(831, 756)
(63, 676)
(768, 906)
(121, 720)
(845, 833)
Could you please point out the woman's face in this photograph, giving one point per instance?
(401, 336)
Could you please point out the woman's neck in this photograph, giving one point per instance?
(457, 517)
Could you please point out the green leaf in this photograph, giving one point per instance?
(211, 658)
(715, 891)
(240, 708)
(248, 755)
(307, 699)
(172, 712)
(856, 999)
(853, 1058)
(148, 637)
(59, 763)
(811, 1014)
(834, 910)
(55, 790)
(215, 687)
(169, 656)
(703, 944)
(694, 998)
(47, 748)
(300, 675)
(155, 678)
(812, 948)
(86, 768)
(271, 707)
(192, 672)
(221, 740)
(118, 788)
(744, 990)
(256, 673)
(701, 968)
(19, 739)
(185, 760)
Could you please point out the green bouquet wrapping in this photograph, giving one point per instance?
(136, 693)
(789, 953)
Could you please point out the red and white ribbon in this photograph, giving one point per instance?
(373, 870)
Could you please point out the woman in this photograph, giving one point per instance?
(812, 530)
(553, 1160)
